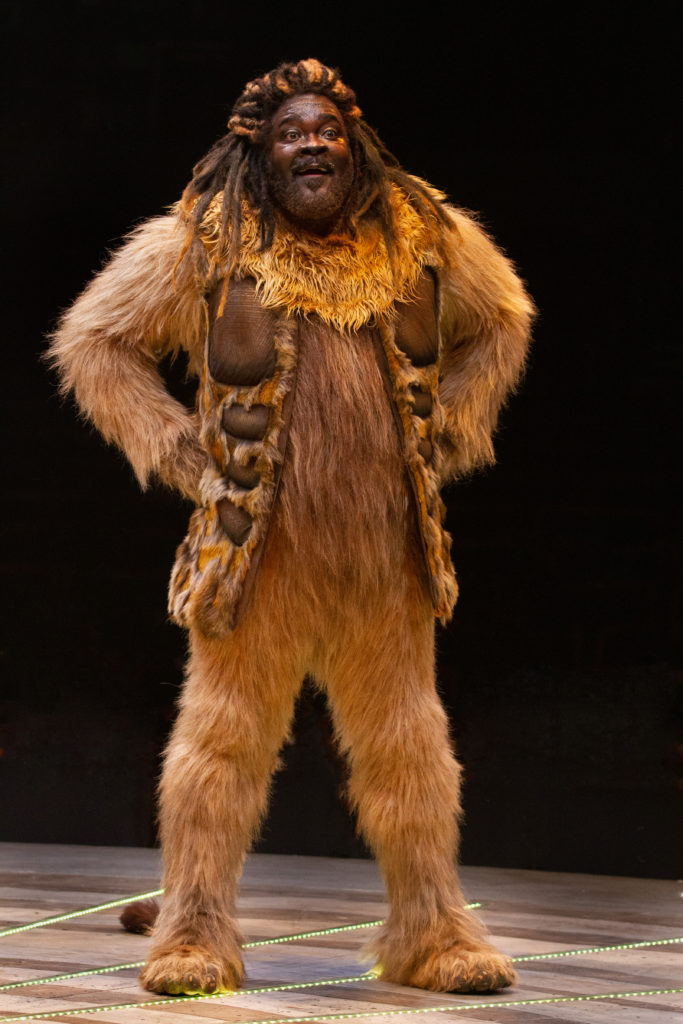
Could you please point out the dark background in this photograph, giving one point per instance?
(560, 668)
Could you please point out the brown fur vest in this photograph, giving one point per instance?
(246, 394)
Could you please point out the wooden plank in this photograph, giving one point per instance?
(528, 912)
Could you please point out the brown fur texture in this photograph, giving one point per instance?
(341, 593)
(139, 917)
(485, 323)
(375, 658)
(108, 344)
(212, 573)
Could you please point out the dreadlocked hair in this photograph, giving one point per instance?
(238, 165)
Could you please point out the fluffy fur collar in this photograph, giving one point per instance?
(346, 282)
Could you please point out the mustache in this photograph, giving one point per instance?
(305, 163)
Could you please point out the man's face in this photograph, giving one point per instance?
(311, 163)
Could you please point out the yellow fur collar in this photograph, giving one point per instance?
(346, 282)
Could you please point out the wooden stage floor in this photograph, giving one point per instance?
(319, 977)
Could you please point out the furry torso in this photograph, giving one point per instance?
(346, 392)
(342, 506)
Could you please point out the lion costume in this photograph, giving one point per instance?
(340, 384)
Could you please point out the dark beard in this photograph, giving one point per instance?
(311, 209)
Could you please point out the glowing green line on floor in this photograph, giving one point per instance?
(311, 935)
(78, 913)
(54, 978)
(159, 892)
(179, 1000)
(450, 1008)
(596, 949)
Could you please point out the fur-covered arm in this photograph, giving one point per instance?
(108, 343)
(486, 318)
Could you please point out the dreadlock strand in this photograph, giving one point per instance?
(229, 205)
(210, 168)
(236, 217)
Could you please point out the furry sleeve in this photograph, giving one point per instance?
(108, 343)
(486, 318)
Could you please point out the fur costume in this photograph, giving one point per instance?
(345, 286)
(316, 547)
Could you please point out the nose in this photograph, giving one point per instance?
(313, 148)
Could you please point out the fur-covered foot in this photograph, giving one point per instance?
(187, 970)
(458, 970)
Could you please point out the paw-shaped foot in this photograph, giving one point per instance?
(188, 970)
(462, 970)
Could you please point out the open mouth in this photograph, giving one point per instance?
(313, 170)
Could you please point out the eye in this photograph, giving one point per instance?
(330, 133)
(291, 134)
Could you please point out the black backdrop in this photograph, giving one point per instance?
(560, 669)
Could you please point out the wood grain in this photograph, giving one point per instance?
(527, 912)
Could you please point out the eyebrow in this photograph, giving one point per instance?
(321, 120)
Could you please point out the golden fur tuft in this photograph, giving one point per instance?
(345, 282)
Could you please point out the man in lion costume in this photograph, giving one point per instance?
(354, 337)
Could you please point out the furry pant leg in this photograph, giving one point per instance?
(405, 785)
(235, 712)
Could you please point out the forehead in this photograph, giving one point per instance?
(306, 107)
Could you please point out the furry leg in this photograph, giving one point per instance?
(234, 714)
(405, 787)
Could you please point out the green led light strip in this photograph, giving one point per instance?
(596, 949)
(78, 913)
(130, 899)
(242, 991)
(175, 1000)
(451, 1008)
(312, 935)
(54, 978)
